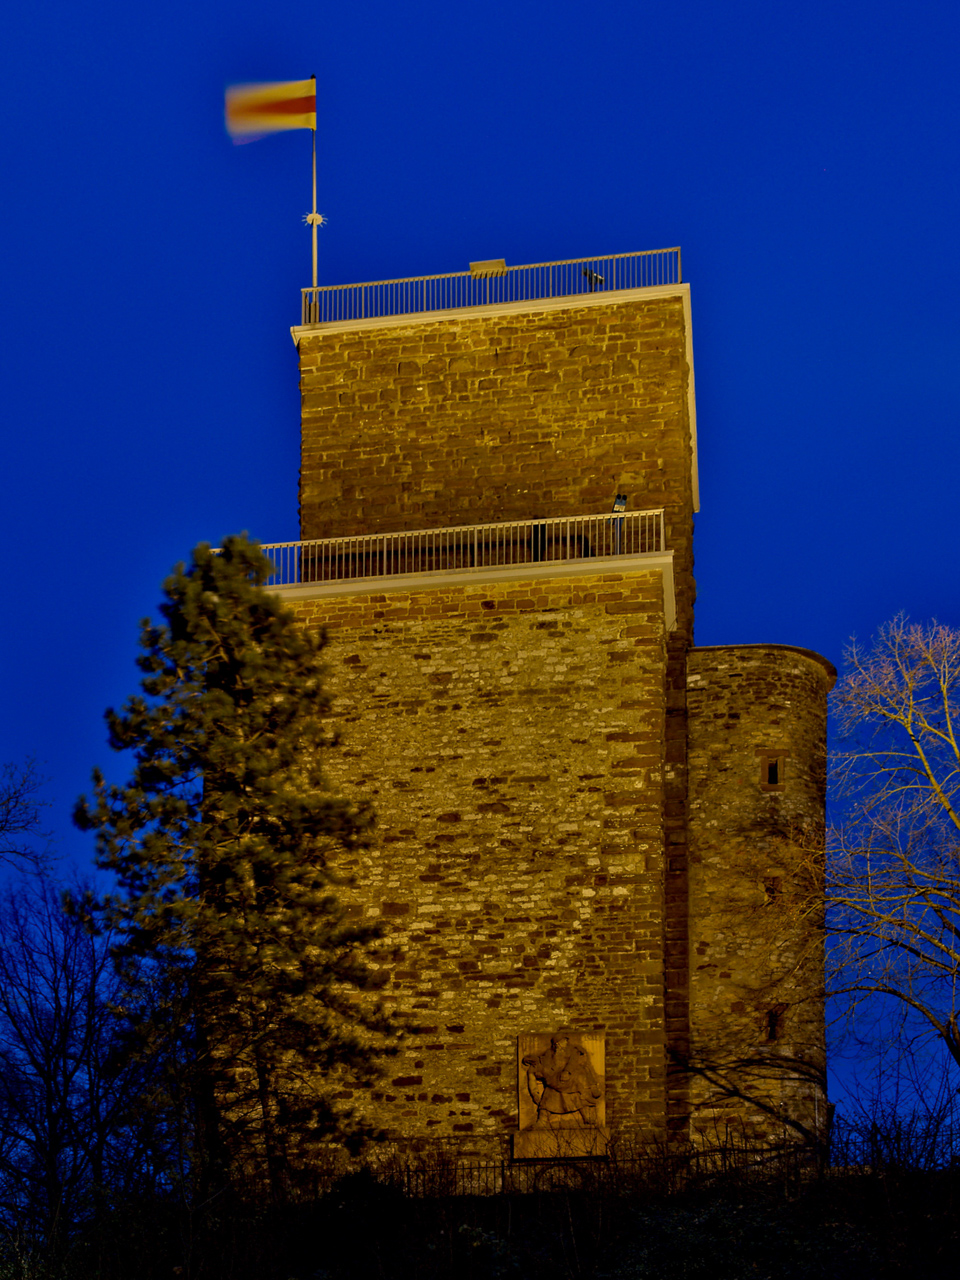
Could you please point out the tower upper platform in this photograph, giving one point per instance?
(502, 395)
(487, 284)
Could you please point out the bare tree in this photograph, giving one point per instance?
(20, 808)
(893, 871)
(80, 1128)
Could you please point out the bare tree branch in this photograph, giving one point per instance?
(20, 809)
(893, 872)
(83, 1117)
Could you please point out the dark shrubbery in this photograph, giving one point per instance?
(785, 1222)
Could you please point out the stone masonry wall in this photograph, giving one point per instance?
(511, 738)
(756, 959)
(478, 417)
(474, 418)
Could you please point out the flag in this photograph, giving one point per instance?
(254, 109)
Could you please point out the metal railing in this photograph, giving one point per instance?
(653, 1168)
(328, 303)
(659, 1170)
(468, 546)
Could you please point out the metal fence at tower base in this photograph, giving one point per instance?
(469, 546)
(733, 1163)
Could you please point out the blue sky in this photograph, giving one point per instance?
(804, 157)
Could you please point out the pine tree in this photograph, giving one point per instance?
(224, 845)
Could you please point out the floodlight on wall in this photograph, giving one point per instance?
(619, 506)
(492, 267)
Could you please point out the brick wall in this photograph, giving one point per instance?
(475, 418)
(756, 958)
(511, 739)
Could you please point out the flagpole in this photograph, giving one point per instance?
(314, 220)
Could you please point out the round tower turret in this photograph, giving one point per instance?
(756, 789)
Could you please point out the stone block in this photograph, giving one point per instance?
(559, 1144)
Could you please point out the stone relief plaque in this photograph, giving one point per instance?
(561, 1095)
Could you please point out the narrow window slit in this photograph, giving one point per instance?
(773, 768)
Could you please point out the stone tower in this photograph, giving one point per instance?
(589, 832)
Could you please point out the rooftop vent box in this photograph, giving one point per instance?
(492, 267)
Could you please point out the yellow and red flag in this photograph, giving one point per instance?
(255, 109)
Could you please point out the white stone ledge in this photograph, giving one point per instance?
(443, 579)
(518, 307)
